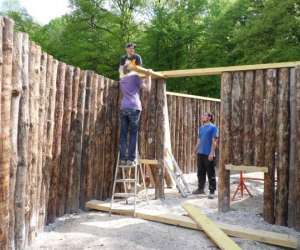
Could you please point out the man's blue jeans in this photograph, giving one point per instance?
(129, 124)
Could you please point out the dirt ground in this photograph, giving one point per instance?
(96, 230)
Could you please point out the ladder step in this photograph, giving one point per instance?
(124, 195)
(125, 180)
(127, 166)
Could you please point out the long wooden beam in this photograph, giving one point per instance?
(210, 228)
(246, 168)
(272, 238)
(194, 96)
(145, 72)
(220, 70)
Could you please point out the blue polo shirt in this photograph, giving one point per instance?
(206, 135)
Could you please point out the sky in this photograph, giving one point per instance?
(44, 10)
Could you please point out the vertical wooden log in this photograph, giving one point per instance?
(294, 92)
(71, 196)
(85, 142)
(283, 148)
(91, 169)
(259, 150)
(99, 137)
(189, 135)
(51, 79)
(15, 101)
(35, 82)
(5, 123)
(237, 117)
(56, 149)
(296, 188)
(23, 130)
(248, 143)
(65, 141)
(161, 112)
(270, 144)
(41, 142)
(177, 128)
(225, 143)
(78, 139)
(114, 136)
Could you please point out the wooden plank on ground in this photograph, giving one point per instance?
(210, 228)
(278, 239)
(246, 168)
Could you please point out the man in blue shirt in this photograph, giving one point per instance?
(205, 150)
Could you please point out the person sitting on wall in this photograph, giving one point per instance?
(205, 150)
(130, 85)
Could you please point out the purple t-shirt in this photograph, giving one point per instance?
(130, 87)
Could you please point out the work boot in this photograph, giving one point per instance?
(211, 195)
(123, 162)
(131, 163)
(198, 191)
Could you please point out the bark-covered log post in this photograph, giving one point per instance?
(43, 88)
(51, 79)
(282, 164)
(70, 200)
(296, 188)
(78, 138)
(270, 144)
(293, 147)
(23, 130)
(248, 142)
(15, 103)
(6, 57)
(225, 143)
(56, 150)
(65, 141)
(161, 130)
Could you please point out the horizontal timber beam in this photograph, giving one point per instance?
(220, 70)
(145, 72)
(194, 96)
(246, 168)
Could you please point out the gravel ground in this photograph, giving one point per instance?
(96, 230)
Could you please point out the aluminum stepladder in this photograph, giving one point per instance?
(176, 174)
(137, 168)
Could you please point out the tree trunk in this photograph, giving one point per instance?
(51, 79)
(53, 202)
(65, 141)
(293, 148)
(283, 148)
(270, 144)
(23, 130)
(225, 143)
(71, 199)
(248, 143)
(5, 124)
(15, 101)
(78, 138)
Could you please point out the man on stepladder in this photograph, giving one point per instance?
(205, 150)
(130, 85)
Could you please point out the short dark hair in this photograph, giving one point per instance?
(129, 45)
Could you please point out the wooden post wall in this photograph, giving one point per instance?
(185, 113)
(259, 126)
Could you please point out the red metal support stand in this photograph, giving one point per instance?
(241, 187)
